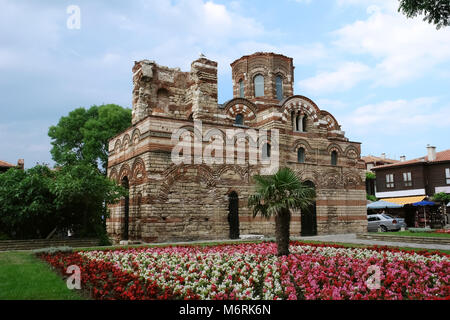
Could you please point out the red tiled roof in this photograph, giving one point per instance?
(370, 159)
(440, 156)
(6, 164)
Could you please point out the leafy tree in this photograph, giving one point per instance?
(435, 11)
(26, 202)
(370, 175)
(442, 197)
(276, 195)
(35, 201)
(83, 135)
(81, 194)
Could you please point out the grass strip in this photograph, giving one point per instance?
(24, 277)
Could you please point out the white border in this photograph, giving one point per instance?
(402, 193)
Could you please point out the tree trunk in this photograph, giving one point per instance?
(282, 224)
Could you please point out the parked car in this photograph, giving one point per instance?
(384, 223)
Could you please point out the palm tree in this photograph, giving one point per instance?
(277, 195)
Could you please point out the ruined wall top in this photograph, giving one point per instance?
(163, 91)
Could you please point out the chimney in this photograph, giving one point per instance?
(383, 156)
(431, 153)
(20, 164)
(402, 159)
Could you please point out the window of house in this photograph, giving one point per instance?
(279, 84)
(259, 86)
(389, 181)
(241, 89)
(334, 158)
(447, 175)
(239, 120)
(407, 179)
(301, 155)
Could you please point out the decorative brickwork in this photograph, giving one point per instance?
(191, 201)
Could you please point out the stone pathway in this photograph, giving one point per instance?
(339, 238)
(351, 238)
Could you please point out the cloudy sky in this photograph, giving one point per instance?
(384, 77)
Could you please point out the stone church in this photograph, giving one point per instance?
(171, 201)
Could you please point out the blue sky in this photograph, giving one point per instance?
(384, 77)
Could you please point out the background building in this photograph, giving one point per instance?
(5, 165)
(417, 178)
(408, 182)
(371, 162)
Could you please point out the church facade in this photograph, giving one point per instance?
(199, 192)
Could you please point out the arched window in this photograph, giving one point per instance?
(239, 120)
(266, 151)
(301, 155)
(334, 158)
(241, 89)
(279, 84)
(297, 123)
(304, 121)
(259, 86)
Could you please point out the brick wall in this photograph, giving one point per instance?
(190, 201)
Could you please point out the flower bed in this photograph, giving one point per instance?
(443, 231)
(253, 271)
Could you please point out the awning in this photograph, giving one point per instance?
(424, 203)
(405, 200)
(383, 205)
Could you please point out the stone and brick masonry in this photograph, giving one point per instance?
(170, 202)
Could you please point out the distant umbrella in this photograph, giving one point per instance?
(383, 205)
(424, 204)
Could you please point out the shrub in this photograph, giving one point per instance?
(53, 250)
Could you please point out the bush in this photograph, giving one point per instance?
(414, 230)
(33, 202)
(53, 250)
(4, 236)
(104, 240)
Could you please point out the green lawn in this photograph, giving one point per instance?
(416, 234)
(24, 277)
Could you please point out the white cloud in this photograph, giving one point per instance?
(398, 117)
(386, 49)
(345, 77)
(390, 5)
(331, 105)
(27, 140)
(402, 48)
